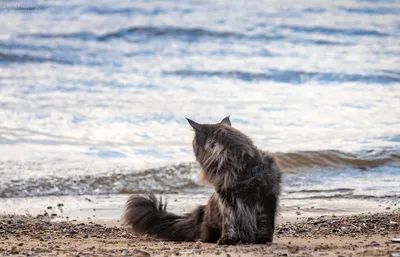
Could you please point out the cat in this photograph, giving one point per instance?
(247, 183)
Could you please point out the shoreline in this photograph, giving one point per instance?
(356, 235)
(109, 208)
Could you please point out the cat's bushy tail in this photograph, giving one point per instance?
(148, 215)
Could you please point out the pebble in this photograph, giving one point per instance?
(14, 250)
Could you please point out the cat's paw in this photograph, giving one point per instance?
(224, 240)
(263, 239)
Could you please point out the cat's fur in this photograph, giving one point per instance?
(243, 206)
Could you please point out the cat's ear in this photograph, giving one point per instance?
(226, 121)
(196, 126)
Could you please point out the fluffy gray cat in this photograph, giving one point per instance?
(243, 206)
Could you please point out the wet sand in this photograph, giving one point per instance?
(355, 235)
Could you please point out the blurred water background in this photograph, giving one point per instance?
(93, 94)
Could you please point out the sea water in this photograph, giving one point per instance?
(93, 95)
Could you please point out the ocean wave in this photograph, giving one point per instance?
(21, 58)
(163, 179)
(376, 10)
(290, 76)
(147, 33)
(334, 158)
(190, 33)
(72, 35)
(335, 31)
(172, 178)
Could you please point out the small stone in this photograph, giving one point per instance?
(374, 243)
(140, 253)
(14, 250)
(49, 207)
(395, 240)
(86, 236)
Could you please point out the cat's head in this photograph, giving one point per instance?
(217, 145)
(206, 136)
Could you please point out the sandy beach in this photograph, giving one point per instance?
(355, 235)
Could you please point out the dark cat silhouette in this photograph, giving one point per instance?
(243, 206)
